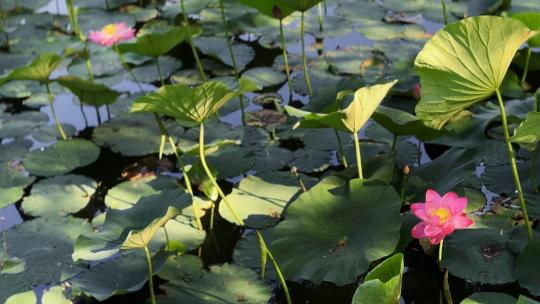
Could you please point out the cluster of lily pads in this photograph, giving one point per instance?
(205, 151)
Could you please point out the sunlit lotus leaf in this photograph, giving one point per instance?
(39, 69)
(28, 297)
(141, 238)
(382, 284)
(88, 92)
(528, 132)
(59, 196)
(126, 194)
(62, 157)
(190, 105)
(335, 230)
(465, 63)
(264, 76)
(403, 123)
(158, 44)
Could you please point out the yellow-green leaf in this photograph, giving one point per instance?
(141, 238)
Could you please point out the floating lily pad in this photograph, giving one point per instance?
(527, 268)
(260, 199)
(60, 195)
(222, 284)
(335, 230)
(55, 295)
(50, 133)
(45, 244)
(214, 47)
(479, 255)
(21, 124)
(62, 157)
(264, 76)
(126, 194)
(489, 298)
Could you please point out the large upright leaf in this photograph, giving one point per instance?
(158, 44)
(532, 20)
(465, 63)
(88, 92)
(39, 69)
(351, 119)
(191, 105)
(528, 132)
(335, 230)
(298, 5)
(141, 238)
(382, 284)
(269, 7)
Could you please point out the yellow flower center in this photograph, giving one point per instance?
(443, 214)
(110, 29)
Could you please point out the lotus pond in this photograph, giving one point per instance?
(269, 151)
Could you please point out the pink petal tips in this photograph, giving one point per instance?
(439, 216)
(112, 34)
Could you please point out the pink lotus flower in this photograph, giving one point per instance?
(112, 33)
(440, 216)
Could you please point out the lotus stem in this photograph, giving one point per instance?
(285, 59)
(213, 208)
(159, 72)
(536, 100)
(235, 215)
(405, 177)
(233, 58)
(526, 67)
(321, 16)
(126, 66)
(53, 112)
(150, 275)
(294, 170)
(358, 155)
(439, 258)
(514, 166)
(394, 143)
(107, 5)
(97, 114)
(445, 12)
(341, 153)
(83, 114)
(304, 58)
(532, 170)
(190, 41)
(4, 247)
(446, 287)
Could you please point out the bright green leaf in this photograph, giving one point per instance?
(88, 92)
(39, 70)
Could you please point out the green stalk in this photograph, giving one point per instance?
(294, 170)
(514, 166)
(235, 215)
(304, 58)
(446, 286)
(126, 66)
(532, 170)
(358, 155)
(233, 59)
(150, 275)
(445, 12)
(159, 72)
(53, 112)
(439, 258)
(190, 41)
(340, 150)
(285, 59)
(107, 5)
(321, 16)
(526, 68)
(405, 176)
(4, 25)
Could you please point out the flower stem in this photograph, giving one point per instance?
(358, 155)
(304, 58)
(439, 258)
(285, 59)
(532, 170)
(526, 67)
(233, 58)
(53, 112)
(150, 275)
(126, 66)
(340, 150)
(514, 166)
(190, 41)
(235, 215)
(321, 16)
(159, 72)
(445, 12)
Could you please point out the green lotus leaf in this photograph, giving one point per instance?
(489, 298)
(259, 199)
(50, 133)
(297, 5)
(126, 194)
(213, 47)
(351, 119)
(190, 105)
(479, 255)
(59, 195)
(40, 69)
(28, 297)
(159, 44)
(55, 295)
(335, 230)
(403, 123)
(62, 157)
(88, 92)
(528, 132)
(125, 273)
(382, 284)
(465, 63)
(137, 239)
(264, 76)
(527, 268)
(119, 224)
(222, 284)
(531, 20)
(525, 300)
(21, 124)
(45, 245)
(267, 7)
